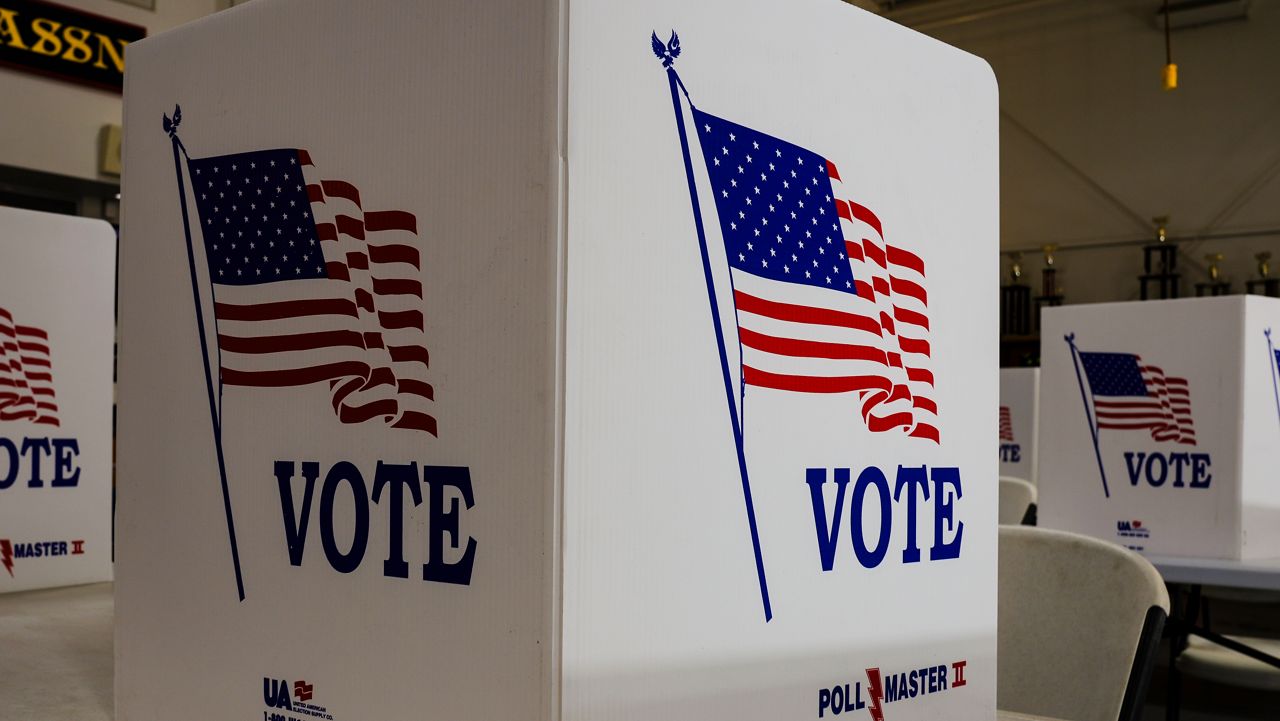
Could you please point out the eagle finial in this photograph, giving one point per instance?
(667, 52)
(171, 125)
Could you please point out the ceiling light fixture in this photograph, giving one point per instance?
(1170, 69)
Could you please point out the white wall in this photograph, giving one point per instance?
(1082, 78)
(52, 125)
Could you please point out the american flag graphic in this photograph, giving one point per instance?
(26, 374)
(824, 303)
(1006, 424)
(1129, 394)
(311, 288)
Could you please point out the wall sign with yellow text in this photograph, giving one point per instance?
(65, 43)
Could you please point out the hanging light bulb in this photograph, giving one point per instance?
(1170, 68)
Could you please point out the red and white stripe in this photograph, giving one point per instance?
(893, 279)
(361, 330)
(807, 339)
(1165, 411)
(1006, 424)
(26, 374)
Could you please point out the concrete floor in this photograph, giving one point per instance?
(56, 654)
(56, 663)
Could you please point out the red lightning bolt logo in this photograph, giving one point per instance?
(6, 555)
(876, 690)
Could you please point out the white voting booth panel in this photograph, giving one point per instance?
(496, 371)
(57, 334)
(1019, 411)
(1161, 422)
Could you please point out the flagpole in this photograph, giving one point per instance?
(1093, 431)
(171, 127)
(676, 88)
(1273, 364)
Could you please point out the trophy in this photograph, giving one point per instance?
(1050, 292)
(1214, 259)
(1015, 302)
(1160, 263)
(1216, 285)
(1049, 285)
(1264, 284)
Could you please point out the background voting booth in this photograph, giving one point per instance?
(1164, 440)
(57, 285)
(526, 365)
(1019, 416)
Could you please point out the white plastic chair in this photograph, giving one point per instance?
(1079, 624)
(1016, 498)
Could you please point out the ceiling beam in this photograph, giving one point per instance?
(1138, 219)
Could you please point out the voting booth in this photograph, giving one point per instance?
(57, 338)
(1161, 423)
(1019, 409)
(521, 362)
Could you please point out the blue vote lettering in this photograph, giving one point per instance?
(343, 483)
(872, 489)
(1177, 470)
(1010, 453)
(39, 455)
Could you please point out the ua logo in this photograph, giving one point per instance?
(275, 694)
